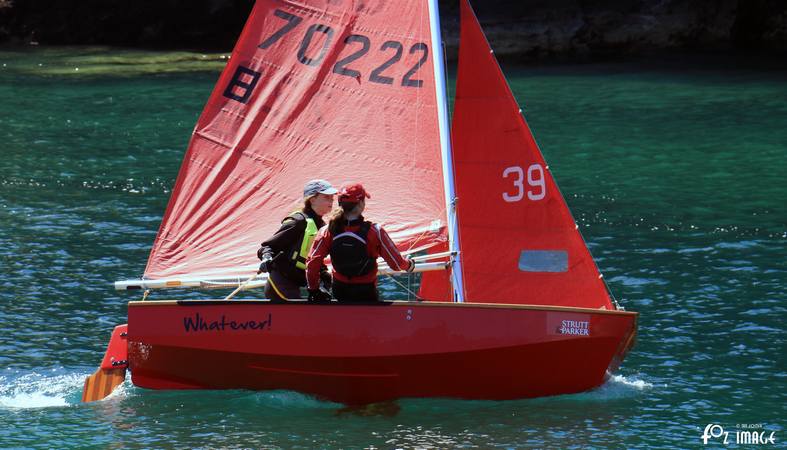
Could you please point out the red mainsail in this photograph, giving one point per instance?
(519, 243)
(314, 89)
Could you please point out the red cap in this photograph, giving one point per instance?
(353, 193)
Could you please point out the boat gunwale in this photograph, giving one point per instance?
(405, 303)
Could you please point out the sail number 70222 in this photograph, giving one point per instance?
(537, 188)
(318, 32)
(314, 47)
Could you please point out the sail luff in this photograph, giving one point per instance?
(446, 153)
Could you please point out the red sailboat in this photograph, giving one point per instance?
(511, 304)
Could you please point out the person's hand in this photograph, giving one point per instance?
(319, 296)
(325, 280)
(265, 265)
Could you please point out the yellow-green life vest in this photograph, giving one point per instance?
(306, 244)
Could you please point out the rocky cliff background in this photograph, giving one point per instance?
(517, 29)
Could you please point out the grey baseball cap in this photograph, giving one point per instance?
(318, 187)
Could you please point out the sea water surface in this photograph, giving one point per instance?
(674, 170)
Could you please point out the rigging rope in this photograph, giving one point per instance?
(410, 293)
(423, 233)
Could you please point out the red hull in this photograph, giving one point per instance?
(357, 354)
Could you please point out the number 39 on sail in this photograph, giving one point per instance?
(511, 304)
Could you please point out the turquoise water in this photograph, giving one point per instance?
(675, 173)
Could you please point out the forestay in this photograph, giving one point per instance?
(314, 89)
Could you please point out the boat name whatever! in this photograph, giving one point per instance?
(314, 46)
(199, 323)
(575, 327)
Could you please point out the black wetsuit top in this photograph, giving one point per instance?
(287, 239)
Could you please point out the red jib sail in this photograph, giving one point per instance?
(314, 89)
(518, 240)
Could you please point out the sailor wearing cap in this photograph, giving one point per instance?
(283, 255)
(353, 244)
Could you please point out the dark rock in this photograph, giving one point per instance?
(517, 29)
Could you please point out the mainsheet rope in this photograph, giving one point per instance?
(410, 292)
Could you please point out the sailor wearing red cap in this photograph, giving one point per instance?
(283, 255)
(353, 245)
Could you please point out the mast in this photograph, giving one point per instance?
(445, 151)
